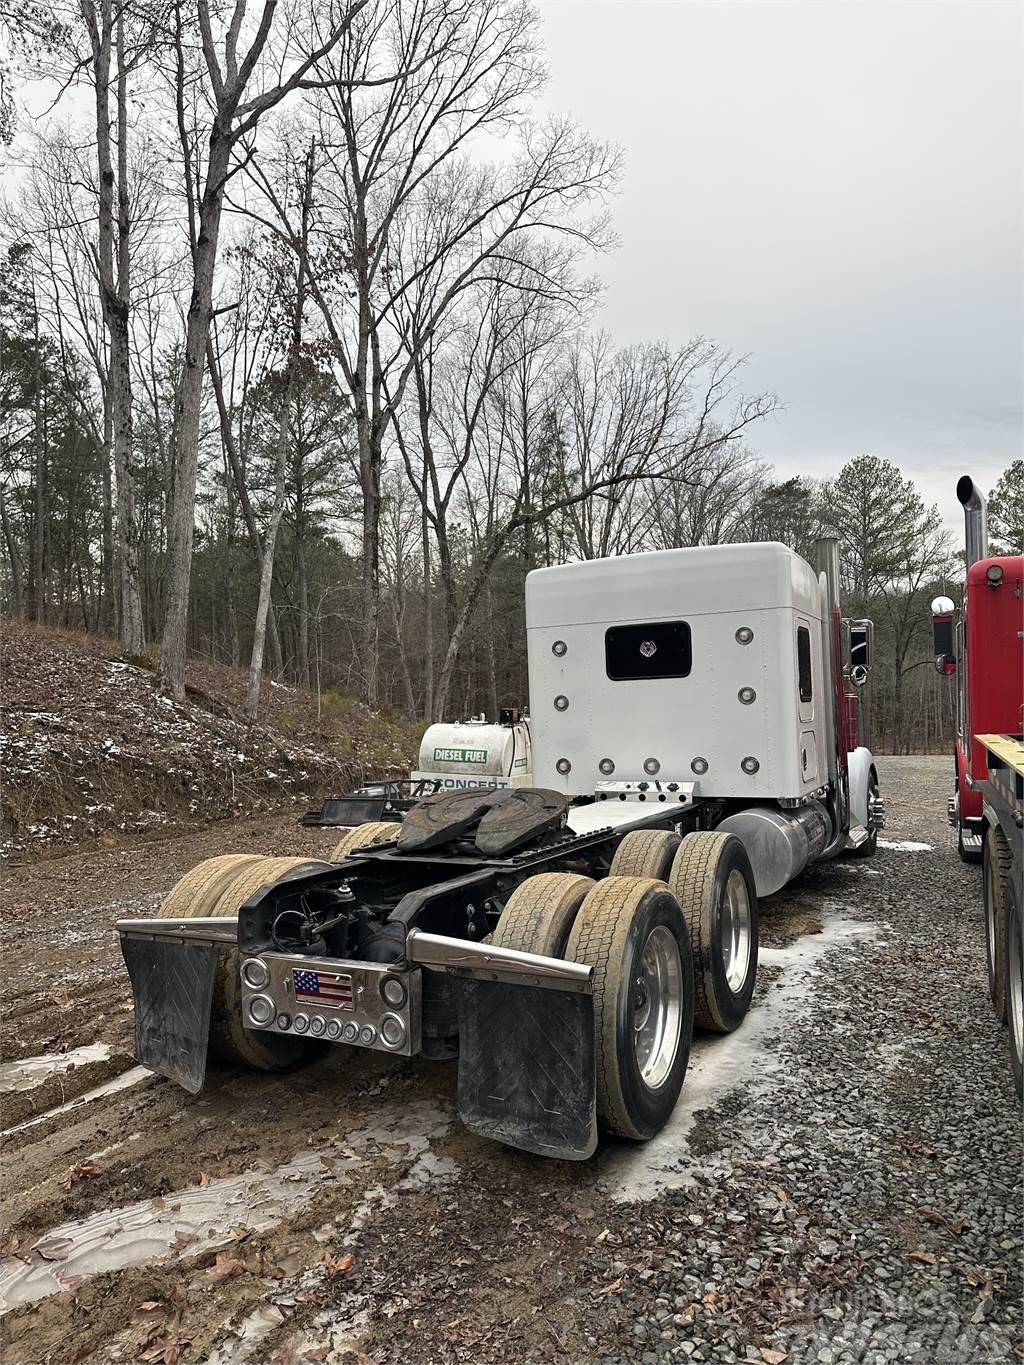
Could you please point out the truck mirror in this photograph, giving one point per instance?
(942, 636)
(862, 648)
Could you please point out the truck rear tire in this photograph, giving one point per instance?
(645, 853)
(540, 912)
(1014, 991)
(220, 886)
(995, 881)
(712, 879)
(373, 832)
(631, 931)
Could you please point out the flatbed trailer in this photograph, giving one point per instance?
(1002, 793)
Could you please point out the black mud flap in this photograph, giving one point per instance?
(173, 988)
(526, 1067)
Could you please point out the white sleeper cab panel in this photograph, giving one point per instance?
(720, 675)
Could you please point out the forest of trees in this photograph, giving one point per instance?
(300, 368)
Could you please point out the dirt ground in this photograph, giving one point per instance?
(341, 1214)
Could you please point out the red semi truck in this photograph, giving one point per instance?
(985, 649)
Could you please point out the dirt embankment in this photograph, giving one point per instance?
(92, 751)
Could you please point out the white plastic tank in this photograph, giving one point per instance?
(477, 753)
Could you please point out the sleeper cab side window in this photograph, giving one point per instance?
(654, 649)
(803, 663)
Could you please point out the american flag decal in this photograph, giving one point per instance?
(332, 989)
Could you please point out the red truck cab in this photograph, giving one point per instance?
(985, 648)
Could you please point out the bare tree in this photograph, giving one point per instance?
(407, 222)
(111, 62)
(240, 98)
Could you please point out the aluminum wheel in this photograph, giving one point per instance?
(657, 1006)
(736, 930)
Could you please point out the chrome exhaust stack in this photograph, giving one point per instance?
(826, 563)
(975, 518)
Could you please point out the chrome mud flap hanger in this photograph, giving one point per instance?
(526, 1044)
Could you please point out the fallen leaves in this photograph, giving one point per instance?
(956, 1223)
(225, 1266)
(61, 999)
(338, 1265)
(925, 1257)
(164, 1350)
(85, 1170)
(772, 1357)
(612, 1288)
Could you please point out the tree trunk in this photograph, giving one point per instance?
(17, 586)
(252, 695)
(114, 296)
(107, 611)
(244, 501)
(188, 411)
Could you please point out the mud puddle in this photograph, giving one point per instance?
(202, 1217)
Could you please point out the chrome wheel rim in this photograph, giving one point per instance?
(1015, 984)
(657, 1006)
(735, 916)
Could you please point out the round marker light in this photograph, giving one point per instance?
(392, 1030)
(699, 766)
(652, 767)
(559, 648)
(561, 703)
(564, 766)
(261, 1010)
(367, 1034)
(747, 696)
(393, 992)
(317, 1027)
(750, 765)
(607, 766)
(744, 635)
(994, 574)
(284, 1021)
(350, 1032)
(334, 1029)
(301, 1023)
(255, 974)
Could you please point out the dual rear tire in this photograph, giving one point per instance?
(220, 886)
(671, 935)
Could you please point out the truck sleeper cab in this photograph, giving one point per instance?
(689, 722)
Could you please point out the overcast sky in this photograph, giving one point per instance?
(834, 188)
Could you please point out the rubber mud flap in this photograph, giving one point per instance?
(526, 1067)
(173, 988)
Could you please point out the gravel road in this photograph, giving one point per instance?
(841, 1180)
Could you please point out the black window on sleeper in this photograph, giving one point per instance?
(803, 661)
(655, 649)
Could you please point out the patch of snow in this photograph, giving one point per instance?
(122, 1082)
(32, 1071)
(905, 846)
(720, 1064)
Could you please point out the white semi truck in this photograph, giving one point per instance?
(693, 718)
